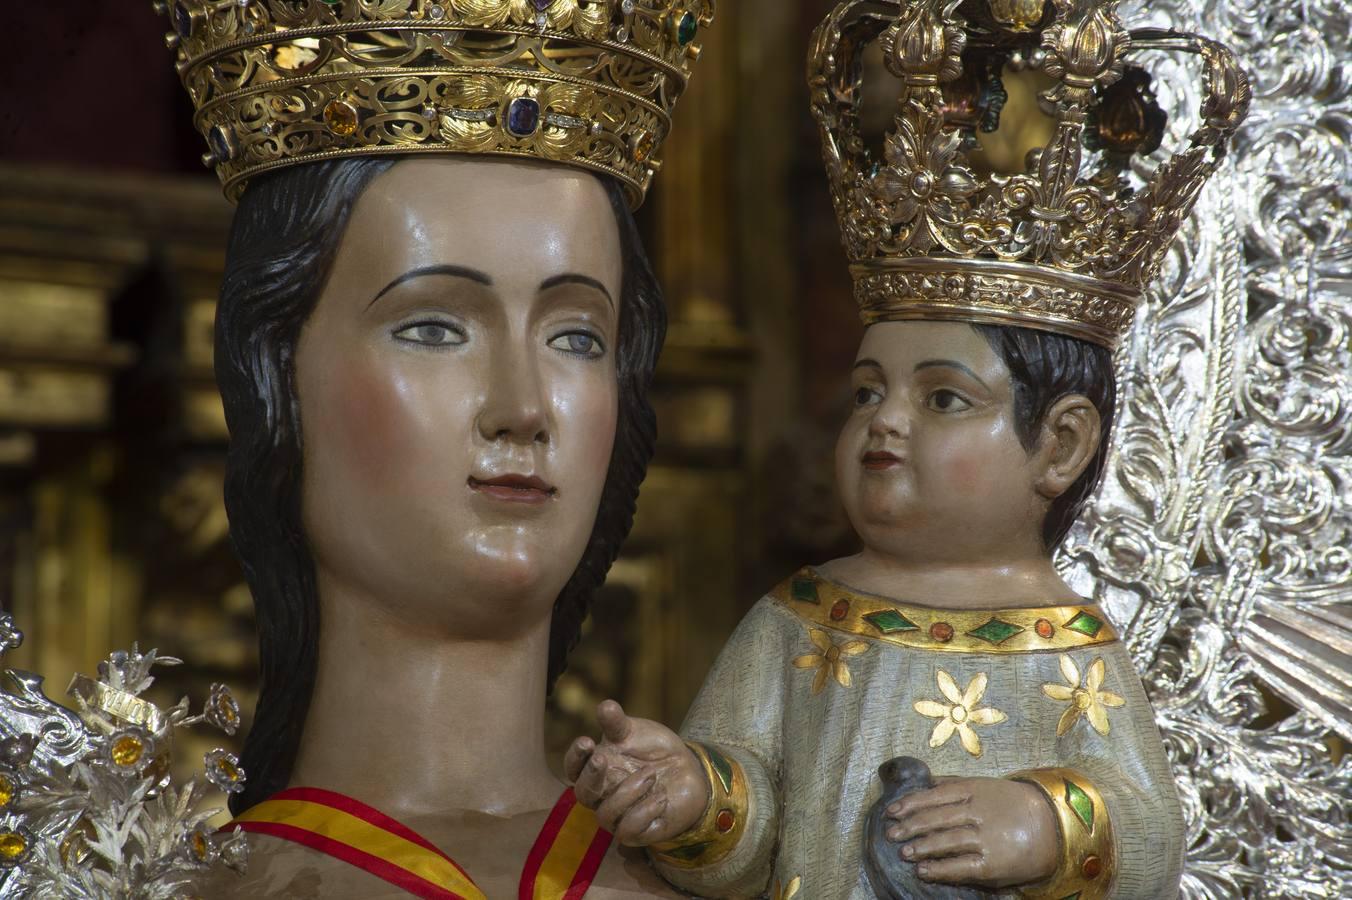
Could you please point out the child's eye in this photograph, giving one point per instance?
(579, 343)
(865, 395)
(431, 334)
(946, 401)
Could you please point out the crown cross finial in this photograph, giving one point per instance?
(1063, 246)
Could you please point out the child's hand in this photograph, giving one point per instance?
(990, 832)
(643, 781)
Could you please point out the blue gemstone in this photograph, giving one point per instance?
(221, 142)
(687, 29)
(182, 20)
(523, 116)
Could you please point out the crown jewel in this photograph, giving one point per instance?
(590, 83)
(1066, 246)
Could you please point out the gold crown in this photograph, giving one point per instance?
(1066, 246)
(590, 83)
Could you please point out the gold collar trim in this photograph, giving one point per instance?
(1044, 628)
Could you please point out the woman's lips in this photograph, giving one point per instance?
(514, 488)
(878, 460)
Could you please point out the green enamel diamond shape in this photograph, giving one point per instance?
(688, 854)
(1085, 624)
(1080, 802)
(805, 591)
(995, 631)
(889, 621)
(722, 768)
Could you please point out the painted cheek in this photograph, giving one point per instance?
(378, 420)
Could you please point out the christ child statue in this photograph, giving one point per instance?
(950, 638)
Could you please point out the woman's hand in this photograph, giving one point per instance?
(989, 832)
(643, 781)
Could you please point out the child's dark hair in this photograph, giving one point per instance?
(1046, 367)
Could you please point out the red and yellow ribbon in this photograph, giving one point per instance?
(566, 855)
(560, 866)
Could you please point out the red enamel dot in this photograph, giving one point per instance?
(839, 610)
(1044, 629)
(725, 820)
(1092, 867)
(941, 631)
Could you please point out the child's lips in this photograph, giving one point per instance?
(880, 460)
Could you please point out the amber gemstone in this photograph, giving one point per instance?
(127, 750)
(1044, 629)
(12, 846)
(941, 631)
(644, 146)
(341, 117)
(840, 610)
(725, 821)
(200, 848)
(6, 791)
(1092, 867)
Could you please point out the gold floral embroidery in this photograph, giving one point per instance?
(1084, 698)
(787, 891)
(829, 659)
(959, 714)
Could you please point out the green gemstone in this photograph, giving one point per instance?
(995, 631)
(889, 621)
(804, 590)
(722, 768)
(1085, 624)
(1080, 802)
(686, 29)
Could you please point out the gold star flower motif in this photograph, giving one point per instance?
(960, 713)
(1085, 699)
(788, 891)
(829, 659)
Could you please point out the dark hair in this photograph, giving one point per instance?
(1046, 367)
(282, 245)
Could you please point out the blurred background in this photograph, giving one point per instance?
(112, 440)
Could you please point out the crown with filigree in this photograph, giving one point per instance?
(590, 83)
(1068, 245)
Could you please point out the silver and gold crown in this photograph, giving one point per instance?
(1068, 245)
(590, 83)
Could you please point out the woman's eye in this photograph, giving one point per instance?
(579, 343)
(431, 334)
(864, 396)
(947, 401)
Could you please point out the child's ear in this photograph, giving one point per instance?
(1067, 444)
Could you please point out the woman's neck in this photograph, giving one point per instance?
(1028, 581)
(415, 722)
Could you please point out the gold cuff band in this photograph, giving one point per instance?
(1087, 863)
(724, 820)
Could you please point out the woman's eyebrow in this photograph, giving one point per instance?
(446, 269)
(577, 278)
(952, 364)
(866, 362)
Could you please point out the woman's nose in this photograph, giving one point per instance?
(514, 403)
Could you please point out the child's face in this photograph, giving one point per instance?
(929, 464)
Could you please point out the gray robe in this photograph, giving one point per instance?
(810, 725)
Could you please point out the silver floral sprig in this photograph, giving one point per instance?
(111, 823)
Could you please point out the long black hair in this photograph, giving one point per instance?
(283, 241)
(1045, 367)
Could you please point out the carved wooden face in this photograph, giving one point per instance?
(929, 464)
(458, 390)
